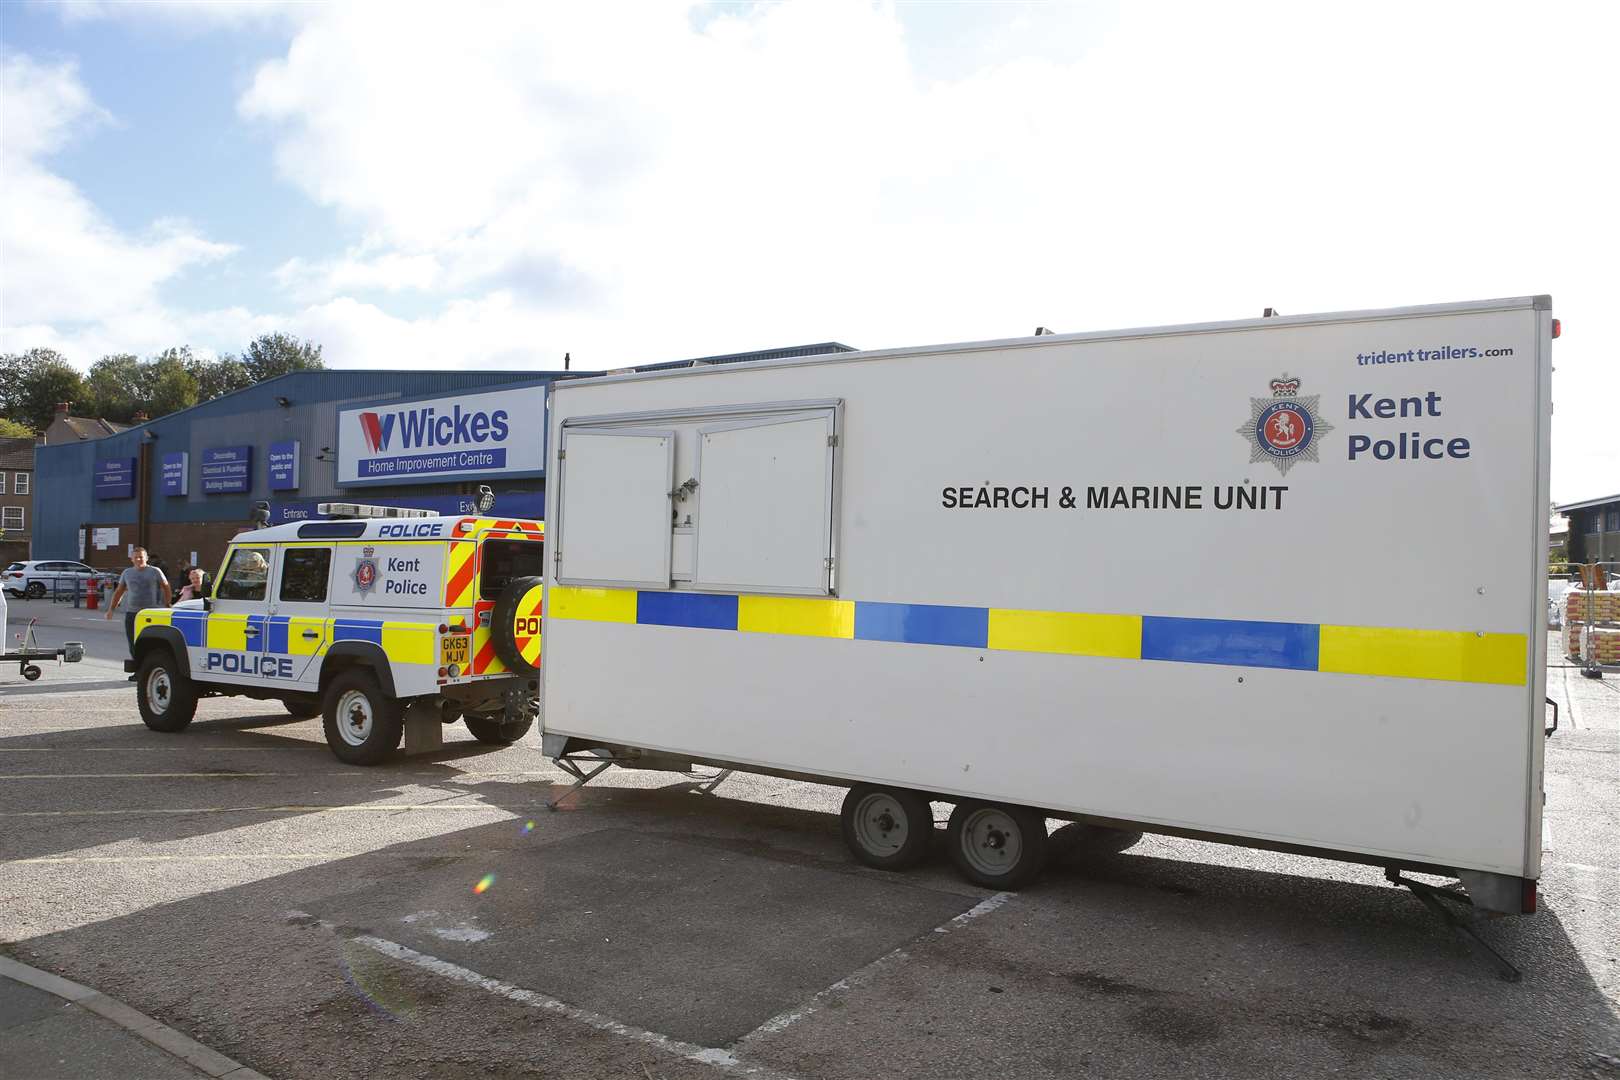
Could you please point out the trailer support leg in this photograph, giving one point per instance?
(581, 778)
(708, 786)
(1430, 896)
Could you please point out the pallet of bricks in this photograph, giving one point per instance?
(1603, 610)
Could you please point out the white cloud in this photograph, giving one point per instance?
(634, 184)
(643, 182)
(64, 269)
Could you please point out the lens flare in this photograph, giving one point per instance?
(483, 884)
(528, 827)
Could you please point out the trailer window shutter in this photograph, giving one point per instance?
(614, 526)
(765, 499)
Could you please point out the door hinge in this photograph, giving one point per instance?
(561, 454)
(832, 440)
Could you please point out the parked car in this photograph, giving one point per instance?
(37, 578)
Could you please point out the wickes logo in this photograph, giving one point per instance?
(427, 427)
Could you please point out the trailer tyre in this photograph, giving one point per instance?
(997, 846)
(363, 725)
(164, 692)
(887, 828)
(514, 625)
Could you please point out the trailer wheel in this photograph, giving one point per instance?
(887, 828)
(164, 692)
(997, 846)
(32, 672)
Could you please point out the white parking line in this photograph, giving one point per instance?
(864, 975)
(724, 1058)
(703, 1055)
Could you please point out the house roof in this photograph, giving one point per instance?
(86, 427)
(1567, 507)
(17, 453)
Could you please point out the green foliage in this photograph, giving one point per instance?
(10, 429)
(120, 385)
(270, 355)
(31, 384)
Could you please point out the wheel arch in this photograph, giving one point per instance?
(163, 637)
(344, 655)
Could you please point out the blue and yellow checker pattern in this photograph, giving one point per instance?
(1448, 655)
(283, 635)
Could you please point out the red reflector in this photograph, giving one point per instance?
(1558, 327)
(443, 628)
(443, 672)
(1528, 906)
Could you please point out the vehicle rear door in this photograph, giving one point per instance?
(299, 626)
(237, 628)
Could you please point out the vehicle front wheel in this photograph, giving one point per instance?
(997, 846)
(491, 729)
(165, 694)
(363, 725)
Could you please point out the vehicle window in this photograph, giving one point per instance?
(50, 566)
(303, 574)
(245, 576)
(80, 568)
(504, 560)
(17, 566)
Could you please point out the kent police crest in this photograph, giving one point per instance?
(365, 572)
(1284, 428)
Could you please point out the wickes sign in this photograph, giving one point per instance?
(464, 437)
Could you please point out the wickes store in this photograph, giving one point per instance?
(182, 485)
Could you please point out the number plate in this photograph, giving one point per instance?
(457, 648)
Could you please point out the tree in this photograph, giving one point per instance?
(31, 384)
(219, 377)
(115, 388)
(270, 355)
(169, 384)
(10, 429)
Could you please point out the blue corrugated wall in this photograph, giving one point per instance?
(64, 500)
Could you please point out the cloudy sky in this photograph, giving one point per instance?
(491, 186)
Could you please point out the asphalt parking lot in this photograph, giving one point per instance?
(430, 917)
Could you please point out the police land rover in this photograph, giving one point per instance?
(359, 619)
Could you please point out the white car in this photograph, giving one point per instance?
(37, 578)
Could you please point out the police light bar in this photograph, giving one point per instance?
(364, 510)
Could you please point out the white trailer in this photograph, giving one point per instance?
(1278, 582)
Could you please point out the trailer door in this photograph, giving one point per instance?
(613, 521)
(765, 504)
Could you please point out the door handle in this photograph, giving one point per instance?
(252, 631)
(312, 634)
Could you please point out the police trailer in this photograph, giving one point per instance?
(386, 622)
(1278, 582)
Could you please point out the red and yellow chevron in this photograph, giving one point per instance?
(460, 574)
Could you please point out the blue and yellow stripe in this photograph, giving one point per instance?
(1448, 655)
